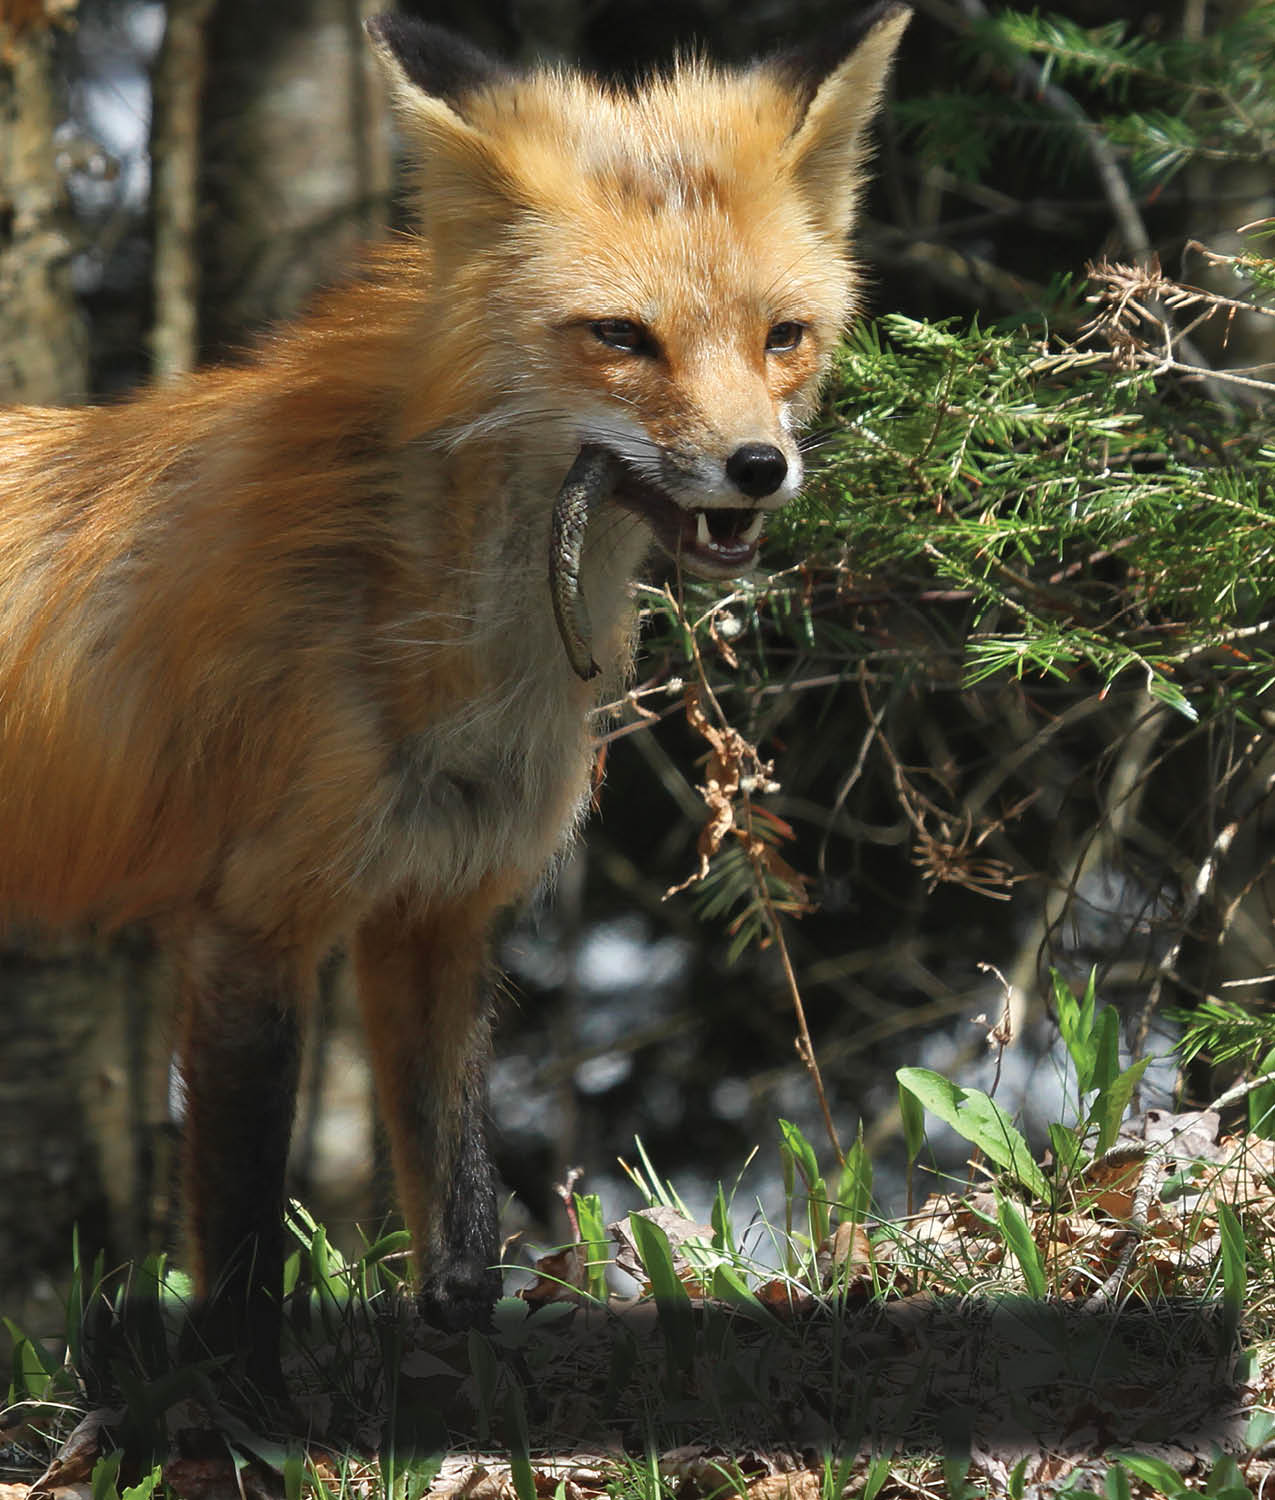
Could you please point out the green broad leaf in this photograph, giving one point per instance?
(1106, 1049)
(597, 1243)
(729, 1286)
(293, 1473)
(42, 1360)
(179, 1286)
(588, 1207)
(1234, 1267)
(28, 1379)
(1075, 1026)
(657, 1260)
(1069, 1151)
(956, 1468)
(146, 1486)
(1018, 1237)
(803, 1153)
(977, 1117)
(723, 1229)
(519, 1440)
(1115, 1484)
(291, 1273)
(1261, 1427)
(319, 1261)
(854, 1187)
(788, 1166)
(1154, 1471)
(818, 1211)
(878, 1473)
(912, 1114)
(419, 1474)
(1225, 1482)
(672, 1300)
(1261, 1102)
(103, 1482)
(1112, 1102)
(397, 1242)
(510, 1320)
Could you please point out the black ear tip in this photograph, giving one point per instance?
(433, 58)
(806, 67)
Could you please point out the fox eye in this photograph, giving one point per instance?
(622, 333)
(784, 337)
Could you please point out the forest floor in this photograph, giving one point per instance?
(932, 1360)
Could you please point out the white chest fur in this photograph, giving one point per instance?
(500, 784)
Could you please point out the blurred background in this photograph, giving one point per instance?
(174, 178)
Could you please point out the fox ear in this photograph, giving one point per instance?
(432, 59)
(839, 95)
(433, 74)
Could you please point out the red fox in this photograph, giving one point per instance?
(301, 653)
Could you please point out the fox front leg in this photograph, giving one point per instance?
(239, 1064)
(587, 480)
(422, 979)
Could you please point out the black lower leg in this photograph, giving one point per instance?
(239, 1067)
(464, 1283)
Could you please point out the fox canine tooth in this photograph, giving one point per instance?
(752, 531)
(702, 535)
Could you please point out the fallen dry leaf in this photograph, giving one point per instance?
(803, 1485)
(846, 1255)
(677, 1229)
(73, 1463)
(560, 1277)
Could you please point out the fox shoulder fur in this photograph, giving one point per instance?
(279, 665)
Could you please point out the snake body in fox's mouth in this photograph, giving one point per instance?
(588, 479)
(718, 542)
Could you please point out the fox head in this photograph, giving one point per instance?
(659, 271)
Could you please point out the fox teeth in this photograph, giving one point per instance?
(704, 537)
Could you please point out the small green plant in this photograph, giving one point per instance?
(671, 1296)
(104, 1482)
(593, 1235)
(1023, 1246)
(798, 1158)
(981, 1121)
(1103, 1089)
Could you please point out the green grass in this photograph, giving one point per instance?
(865, 1351)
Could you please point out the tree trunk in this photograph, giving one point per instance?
(43, 350)
(177, 88)
(83, 1094)
(83, 1116)
(297, 161)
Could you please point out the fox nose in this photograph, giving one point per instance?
(757, 468)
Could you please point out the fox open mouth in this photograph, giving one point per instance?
(713, 542)
(717, 542)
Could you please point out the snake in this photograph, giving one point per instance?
(587, 480)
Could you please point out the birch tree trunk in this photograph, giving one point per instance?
(43, 351)
(177, 83)
(83, 1100)
(297, 158)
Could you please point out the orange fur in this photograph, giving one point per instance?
(278, 666)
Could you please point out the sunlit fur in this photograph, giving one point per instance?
(277, 653)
